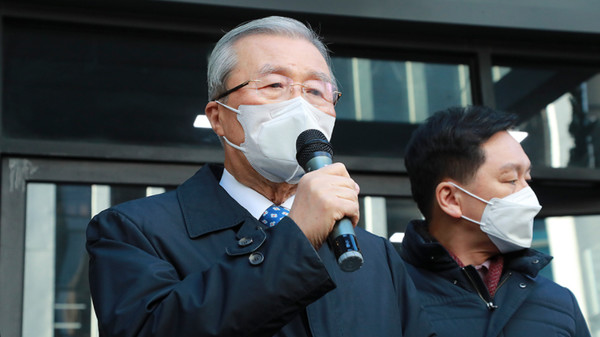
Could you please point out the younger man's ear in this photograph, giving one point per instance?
(446, 196)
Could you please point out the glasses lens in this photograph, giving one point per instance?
(273, 86)
(318, 92)
(276, 87)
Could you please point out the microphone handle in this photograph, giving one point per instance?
(342, 238)
(345, 246)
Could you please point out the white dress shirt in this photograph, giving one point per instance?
(254, 202)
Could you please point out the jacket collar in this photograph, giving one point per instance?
(422, 250)
(205, 205)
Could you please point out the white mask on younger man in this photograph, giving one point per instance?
(271, 131)
(508, 222)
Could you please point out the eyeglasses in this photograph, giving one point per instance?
(276, 87)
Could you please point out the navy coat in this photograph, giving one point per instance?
(525, 304)
(193, 262)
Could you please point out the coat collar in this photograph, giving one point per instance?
(206, 206)
(422, 250)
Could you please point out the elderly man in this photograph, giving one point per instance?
(470, 258)
(203, 261)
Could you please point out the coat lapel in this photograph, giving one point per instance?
(202, 201)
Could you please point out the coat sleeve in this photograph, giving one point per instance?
(137, 292)
(415, 321)
(581, 328)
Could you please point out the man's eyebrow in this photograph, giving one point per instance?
(322, 76)
(269, 69)
(515, 166)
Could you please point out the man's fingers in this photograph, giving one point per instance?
(335, 169)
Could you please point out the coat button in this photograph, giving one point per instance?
(243, 242)
(522, 285)
(256, 258)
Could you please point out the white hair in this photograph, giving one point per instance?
(223, 58)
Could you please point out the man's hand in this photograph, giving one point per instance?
(323, 197)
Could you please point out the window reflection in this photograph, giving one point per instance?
(89, 83)
(388, 216)
(400, 211)
(72, 303)
(559, 108)
(573, 241)
(398, 91)
(56, 300)
(384, 100)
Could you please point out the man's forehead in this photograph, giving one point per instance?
(505, 153)
(274, 51)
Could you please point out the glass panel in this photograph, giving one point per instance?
(56, 299)
(400, 212)
(373, 215)
(559, 108)
(83, 82)
(387, 217)
(573, 241)
(119, 194)
(98, 84)
(72, 303)
(40, 249)
(385, 99)
(398, 91)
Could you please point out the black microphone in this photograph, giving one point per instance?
(313, 151)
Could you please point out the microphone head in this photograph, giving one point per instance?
(310, 142)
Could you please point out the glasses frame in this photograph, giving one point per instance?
(336, 94)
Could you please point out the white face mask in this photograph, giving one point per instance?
(271, 131)
(508, 222)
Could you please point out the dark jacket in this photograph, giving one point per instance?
(526, 304)
(193, 262)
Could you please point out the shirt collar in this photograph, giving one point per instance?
(254, 202)
(485, 265)
(479, 267)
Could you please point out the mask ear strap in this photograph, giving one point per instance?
(474, 221)
(233, 145)
(471, 194)
(228, 107)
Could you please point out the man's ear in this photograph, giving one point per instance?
(212, 112)
(445, 194)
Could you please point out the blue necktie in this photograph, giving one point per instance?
(273, 214)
